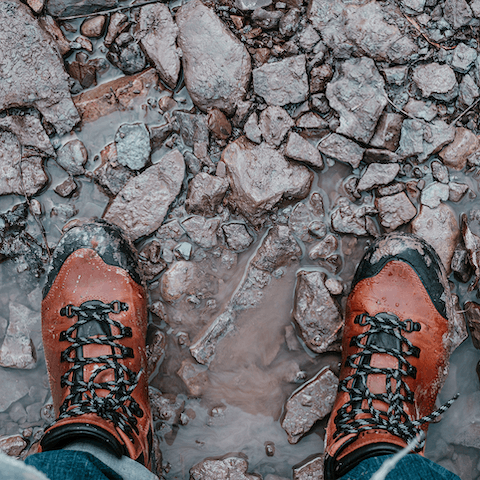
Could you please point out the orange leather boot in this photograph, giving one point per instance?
(396, 347)
(94, 323)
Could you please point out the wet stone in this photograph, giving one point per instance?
(252, 130)
(472, 314)
(18, 388)
(202, 231)
(65, 8)
(270, 178)
(218, 124)
(420, 109)
(72, 157)
(274, 124)
(194, 377)
(395, 210)
(84, 73)
(324, 248)
(463, 58)
(133, 145)
(342, 149)
(39, 78)
(378, 174)
(469, 91)
(215, 77)
(436, 80)
(440, 172)
(36, 5)
(460, 264)
(387, 134)
(438, 227)
(357, 94)
(414, 7)
(311, 121)
(347, 217)
(464, 144)
(456, 191)
(282, 82)
(391, 189)
(156, 342)
(205, 193)
(93, 27)
(237, 236)
(267, 20)
(157, 185)
(316, 313)
(179, 280)
(310, 403)
(434, 194)
(165, 408)
(289, 23)
(457, 13)
(302, 150)
(157, 33)
(118, 23)
(51, 27)
(395, 75)
(12, 445)
(66, 188)
(130, 59)
(246, 5)
(228, 467)
(310, 469)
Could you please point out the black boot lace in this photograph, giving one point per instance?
(94, 326)
(385, 336)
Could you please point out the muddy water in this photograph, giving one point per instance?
(253, 372)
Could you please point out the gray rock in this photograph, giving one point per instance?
(414, 7)
(216, 75)
(312, 468)
(425, 110)
(205, 193)
(246, 5)
(228, 467)
(391, 189)
(29, 131)
(66, 8)
(463, 58)
(20, 176)
(194, 131)
(395, 75)
(282, 82)
(18, 350)
(457, 13)
(439, 227)
(180, 279)
(472, 314)
(18, 387)
(378, 174)
(302, 150)
(436, 80)
(157, 33)
(387, 134)
(237, 236)
(202, 231)
(460, 264)
(424, 139)
(252, 130)
(324, 248)
(290, 22)
(457, 191)
(347, 217)
(194, 377)
(118, 23)
(39, 79)
(166, 408)
(270, 178)
(310, 403)
(468, 91)
(130, 58)
(395, 210)
(306, 221)
(133, 145)
(315, 312)
(308, 38)
(439, 172)
(357, 94)
(72, 157)
(267, 20)
(434, 194)
(142, 204)
(475, 6)
(342, 149)
(93, 27)
(464, 144)
(66, 188)
(311, 121)
(274, 124)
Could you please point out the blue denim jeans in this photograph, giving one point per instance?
(79, 465)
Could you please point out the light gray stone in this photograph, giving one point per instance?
(436, 80)
(434, 194)
(274, 124)
(302, 150)
(463, 58)
(395, 210)
(72, 157)
(342, 149)
(133, 145)
(201, 230)
(378, 174)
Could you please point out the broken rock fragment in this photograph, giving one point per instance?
(310, 403)
(357, 94)
(39, 79)
(316, 313)
(194, 376)
(157, 33)
(72, 157)
(274, 124)
(464, 144)
(216, 74)
(342, 149)
(260, 177)
(133, 145)
(436, 80)
(142, 204)
(237, 236)
(302, 150)
(434, 194)
(203, 231)
(65, 8)
(205, 193)
(282, 82)
(439, 227)
(179, 280)
(310, 469)
(348, 217)
(395, 210)
(228, 467)
(378, 174)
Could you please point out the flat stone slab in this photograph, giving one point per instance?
(142, 204)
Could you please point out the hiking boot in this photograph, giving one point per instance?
(94, 324)
(396, 346)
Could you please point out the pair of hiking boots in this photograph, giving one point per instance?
(396, 346)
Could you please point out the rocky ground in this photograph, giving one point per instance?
(252, 150)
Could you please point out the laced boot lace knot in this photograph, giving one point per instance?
(358, 414)
(115, 402)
